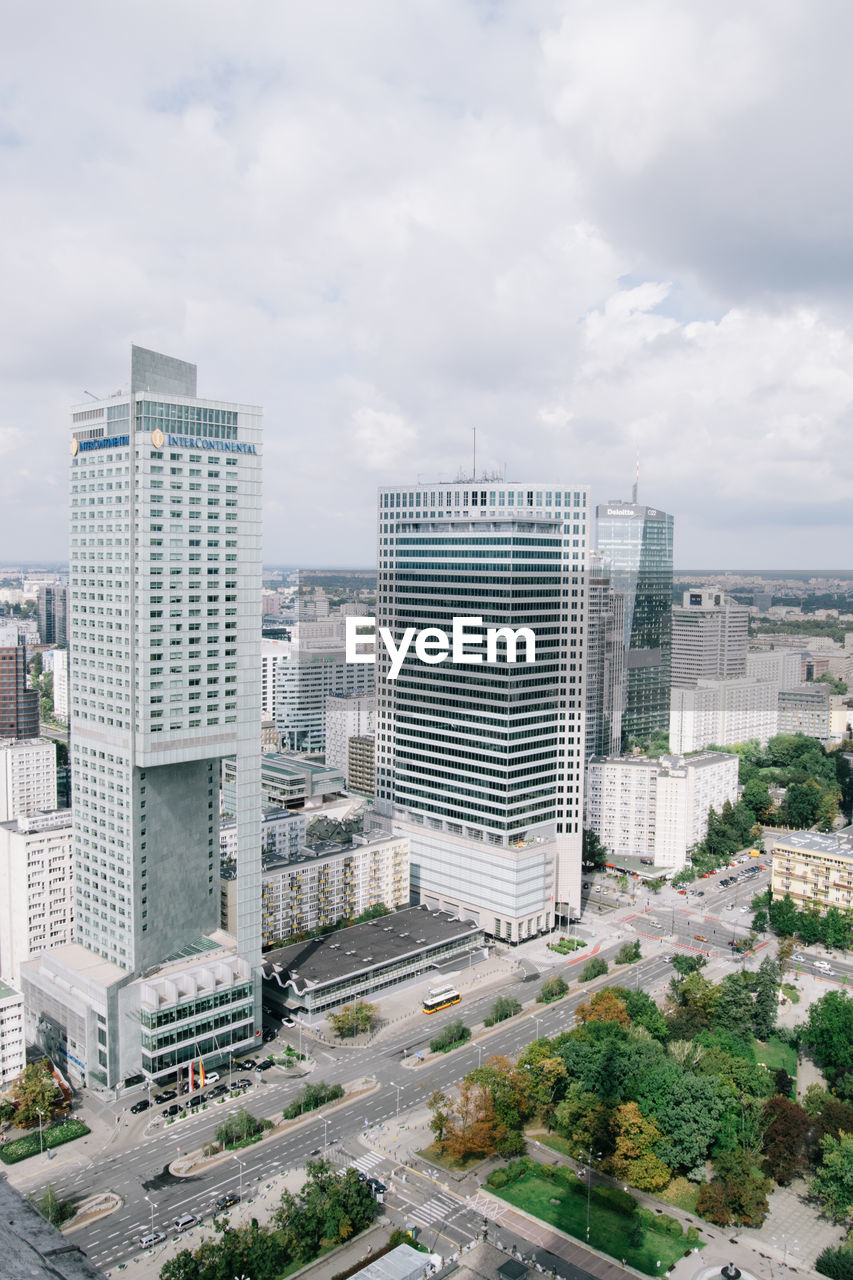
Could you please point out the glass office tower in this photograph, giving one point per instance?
(637, 543)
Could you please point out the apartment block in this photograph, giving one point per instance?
(722, 712)
(361, 765)
(282, 834)
(37, 899)
(13, 1045)
(27, 777)
(807, 709)
(658, 808)
(781, 667)
(324, 883)
(348, 715)
(315, 668)
(816, 870)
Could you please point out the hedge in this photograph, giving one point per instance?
(53, 1136)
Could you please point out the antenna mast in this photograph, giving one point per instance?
(636, 482)
(474, 471)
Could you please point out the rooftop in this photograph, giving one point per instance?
(832, 846)
(364, 946)
(6, 991)
(31, 1247)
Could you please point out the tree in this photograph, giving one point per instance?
(689, 1117)
(594, 968)
(833, 1179)
(35, 1091)
(441, 1112)
(475, 1129)
(552, 989)
(329, 1208)
(511, 1088)
(629, 953)
(593, 852)
(801, 804)
(783, 916)
(836, 1263)
(353, 1019)
(756, 797)
(583, 1119)
(239, 1127)
(604, 1006)
(51, 1207)
(634, 1159)
(737, 1194)
(503, 1008)
(766, 1006)
(829, 1032)
(785, 1139)
(453, 1034)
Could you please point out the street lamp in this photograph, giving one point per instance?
(240, 1163)
(153, 1206)
(589, 1186)
(325, 1131)
(537, 1021)
(398, 1087)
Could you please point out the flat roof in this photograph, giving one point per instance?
(33, 1248)
(365, 946)
(402, 1263)
(833, 846)
(6, 991)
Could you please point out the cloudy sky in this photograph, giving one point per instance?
(589, 228)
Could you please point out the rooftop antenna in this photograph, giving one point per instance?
(636, 482)
(474, 472)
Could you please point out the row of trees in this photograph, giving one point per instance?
(330, 1208)
(832, 927)
(312, 1097)
(240, 1129)
(353, 1019)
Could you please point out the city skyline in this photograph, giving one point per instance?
(589, 232)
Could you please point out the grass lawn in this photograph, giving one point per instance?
(774, 1054)
(609, 1231)
(435, 1155)
(555, 1142)
(682, 1194)
(791, 992)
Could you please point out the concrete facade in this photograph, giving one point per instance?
(27, 777)
(13, 1044)
(710, 633)
(722, 712)
(816, 870)
(37, 875)
(348, 715)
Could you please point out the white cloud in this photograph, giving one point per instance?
(382, 440)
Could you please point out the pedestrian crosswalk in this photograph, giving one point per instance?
(366, 1163)
(435, 1210)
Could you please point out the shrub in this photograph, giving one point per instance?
(835, 1263)
(453, 1034)
(503, 1008)
(629, 953)
(616, 1199)
(648, 1219)
(240, 1129)
(670, 1225)
(512, 1144)
(53, 1136)
(497, 1178)
(593, 968)
(312, 1097)
(552, 989)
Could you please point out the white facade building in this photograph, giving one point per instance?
(721, 713)
(781, 667)
(273, 654)
(165, 583)
(658, 808)
(37, 901)
(348, 715)
(13, 1045)
(282, 833)
(27, 777)
(315, 668)
(60, 685)
(710, 632)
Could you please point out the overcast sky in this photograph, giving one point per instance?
(588, 229)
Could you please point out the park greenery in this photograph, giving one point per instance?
(312, 1097)
(565, 946)
(241, 1130)
(628, 954)
(51, 1207)
(54, 1135)
(552, 989)
(454, 1034)
(36, 1093)
(503, 1008)
(594, 968)
(832, 927)
(330, 1208)
(353, 1019)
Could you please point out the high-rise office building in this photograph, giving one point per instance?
(710, 634)
(53, 613)
(637, 543)
(604, 663)
(165, 580)
(481, 763)
(313, 668)
(19, 706)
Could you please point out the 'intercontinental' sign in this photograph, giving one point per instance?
(202, 442)
(104, 442)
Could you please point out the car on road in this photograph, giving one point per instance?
(142, 1105)
(823, 966)
(218, 1090)
(185, 1221)
(683, 892)
(288, 1022)
(149, 1240)
(269, 1035)
(700, 893)
(667, 959)
(242, 1083)
(247, 1064)
(378, 1188)
(799, 957)
(265, 1065)
(166, 1096)
(700, 937)
(225, 1201)
(211, 1076)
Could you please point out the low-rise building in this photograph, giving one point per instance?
(286, 781)
(816, 870)
(317, 977)
(722, 712)
(325, 883)
(27, 777)
(658, 808)
(282, 834)
(37, 897)
(13, 1045)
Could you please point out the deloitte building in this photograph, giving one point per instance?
(165, 585)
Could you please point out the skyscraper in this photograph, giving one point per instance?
(481, 763)
(710, 633)
(53, 614)
(165, 580)
(637, 543)
(604, 664)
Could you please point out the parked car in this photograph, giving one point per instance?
(247, 1064)
(185, 1221)
(197, 1100)
(165, 1096)
(269, 1035)
(211, 1077)
(225, 1201)
(265, 1065)
(142, 1105)
(151, 1238)
(173, 1110)
(218, 1090)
